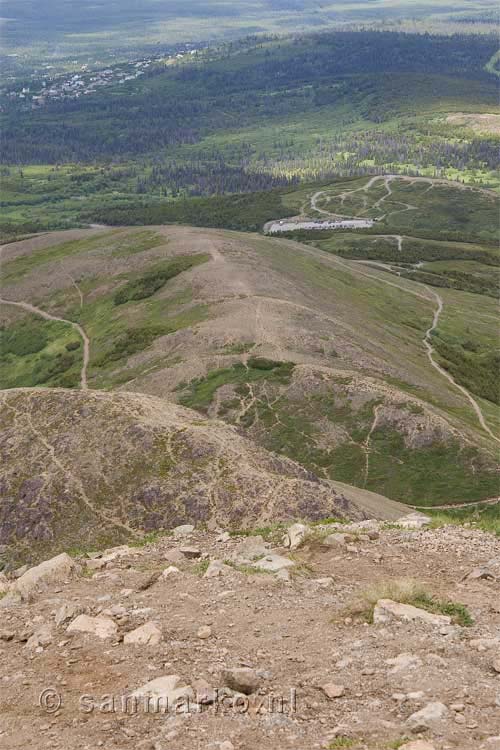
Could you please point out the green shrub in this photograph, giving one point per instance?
(130, 342)
(51, 367)
(150, 282)
(261, 363)
(478, 372)
(26, 337)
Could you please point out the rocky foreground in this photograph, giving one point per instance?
(295, 641)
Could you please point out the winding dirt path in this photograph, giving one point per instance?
(443, 372)
(78, 328)
(431, 181)
(427, 338)
(455, 506)
(437, 313)
(47, 316)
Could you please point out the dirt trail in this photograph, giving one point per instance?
(387, 184)
(78, 328)
(48, 316)
(443, 372)
(430, 350)
(432, 181)
(314, 204)
(427, 339)
(455, 506)
(37, 311)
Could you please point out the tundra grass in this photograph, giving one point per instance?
(37, 352)
(424, 474)
(118, 242)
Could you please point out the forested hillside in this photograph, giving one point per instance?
(252, 116)
(259, 85)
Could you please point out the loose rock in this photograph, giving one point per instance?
(148, 634)
(101, 627)
(387, 610)
(295, 535)
(429, 717)
(332, 690)
(242, 679)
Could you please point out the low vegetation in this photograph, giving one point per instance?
(481, 516)
(407, 591)
(240, 212)
(146, 285)
(476, 370)
(200, 392)
(38, 352)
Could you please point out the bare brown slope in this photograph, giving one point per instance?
(86, 468)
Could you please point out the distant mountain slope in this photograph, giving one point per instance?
(313, 356)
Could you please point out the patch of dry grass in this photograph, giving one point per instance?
(406, 591)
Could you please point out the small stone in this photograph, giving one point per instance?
(458, 707)
(241, 679)
(429, 717)
(459, 719)
(417, 745)
(295, 535)
(102, 627)
(184, 530)
(496, 664)
(148, 634)
(190, 552)
(204, 632)
(332, 690)
(387, 610)
(170, 571)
